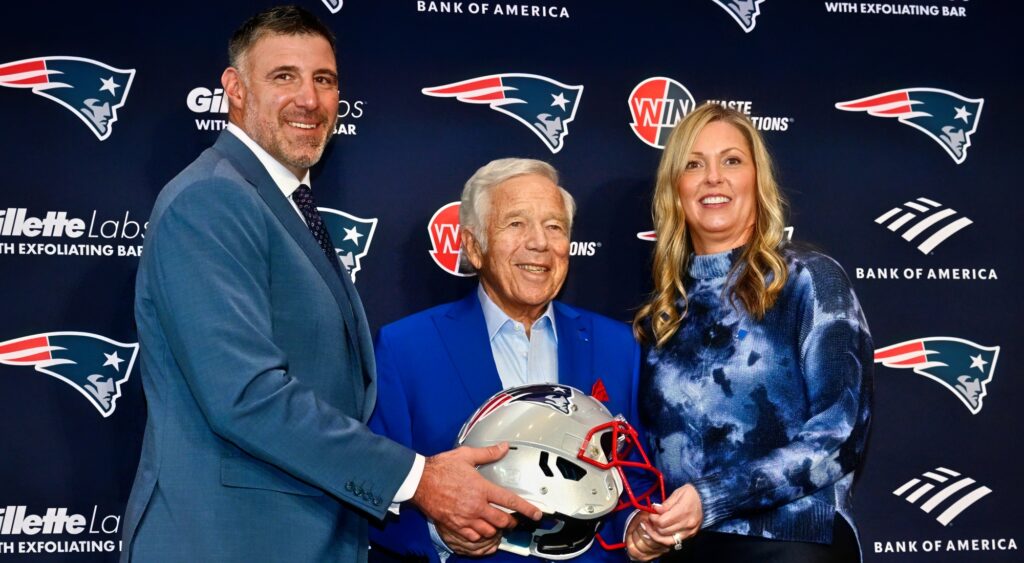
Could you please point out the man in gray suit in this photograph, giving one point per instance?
(257, 361)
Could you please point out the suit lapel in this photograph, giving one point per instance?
(463, 331)
(340, 286)
(575, 348)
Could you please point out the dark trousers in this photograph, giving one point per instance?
(715, 547)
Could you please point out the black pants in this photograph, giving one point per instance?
(715, 547)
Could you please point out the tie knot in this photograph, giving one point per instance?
(303, 194)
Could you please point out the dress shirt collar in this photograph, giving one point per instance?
(496, 318)
(285, 180)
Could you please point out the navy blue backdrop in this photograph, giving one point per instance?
(893, 124)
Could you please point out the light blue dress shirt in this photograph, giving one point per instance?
(521, 360)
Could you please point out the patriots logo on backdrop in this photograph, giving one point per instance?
(544, 105)
(745, 12)
(961, 366)
(351, 236)
(93, 365)
(947, 117)
(90, 89)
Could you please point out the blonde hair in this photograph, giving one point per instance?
(761, 271)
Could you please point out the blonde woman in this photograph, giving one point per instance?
(756, 380)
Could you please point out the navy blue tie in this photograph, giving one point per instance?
(303, 198)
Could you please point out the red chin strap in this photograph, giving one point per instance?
(621, 430)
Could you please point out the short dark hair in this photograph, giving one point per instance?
(280, 20)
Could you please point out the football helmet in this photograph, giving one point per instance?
(567, 456)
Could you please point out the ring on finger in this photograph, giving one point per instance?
(679, 541)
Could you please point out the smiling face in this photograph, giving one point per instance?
(718, 189)
(286, 97)
(527, 254)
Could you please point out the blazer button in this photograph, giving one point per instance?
(377, 501)
(359, 491)
(349, 486)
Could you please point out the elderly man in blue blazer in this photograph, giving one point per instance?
(257, 363)
(437, 366)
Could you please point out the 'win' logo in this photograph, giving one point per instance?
(446, 242)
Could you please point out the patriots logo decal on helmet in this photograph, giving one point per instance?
(745, 12)
(94, 365)
(90, 89)
(947, 117)
(961, 366)
(351, 235)
(544, 105)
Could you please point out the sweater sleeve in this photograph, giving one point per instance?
(835, 361)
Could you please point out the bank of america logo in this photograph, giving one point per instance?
(926, 219)
(943, 488)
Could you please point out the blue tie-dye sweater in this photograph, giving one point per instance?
(767, 419)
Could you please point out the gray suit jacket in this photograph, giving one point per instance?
(259, 375)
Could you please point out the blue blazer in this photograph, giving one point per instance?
(435, 368)
(259, 376)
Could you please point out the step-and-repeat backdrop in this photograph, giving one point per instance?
(895, 123)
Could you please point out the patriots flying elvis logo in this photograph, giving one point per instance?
(745, 12)
(557, 397)
(93, 365)
(352, 235)
(91, 90)
(543, 105)
(961, 366)
(947, 117)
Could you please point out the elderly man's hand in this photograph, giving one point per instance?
(454, 495)
(458, 544)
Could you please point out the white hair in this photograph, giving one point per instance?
(474, 209)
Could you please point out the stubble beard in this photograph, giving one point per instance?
(269, 135)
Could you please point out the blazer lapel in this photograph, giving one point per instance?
(464, 333)
(347, 300)
(575, 349)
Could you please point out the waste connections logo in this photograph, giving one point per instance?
(961, 366)
(658, 103)
(91, 364)
(334, 6)
(91, 90)
(946, 117)
(351, 235)
(545, 106)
